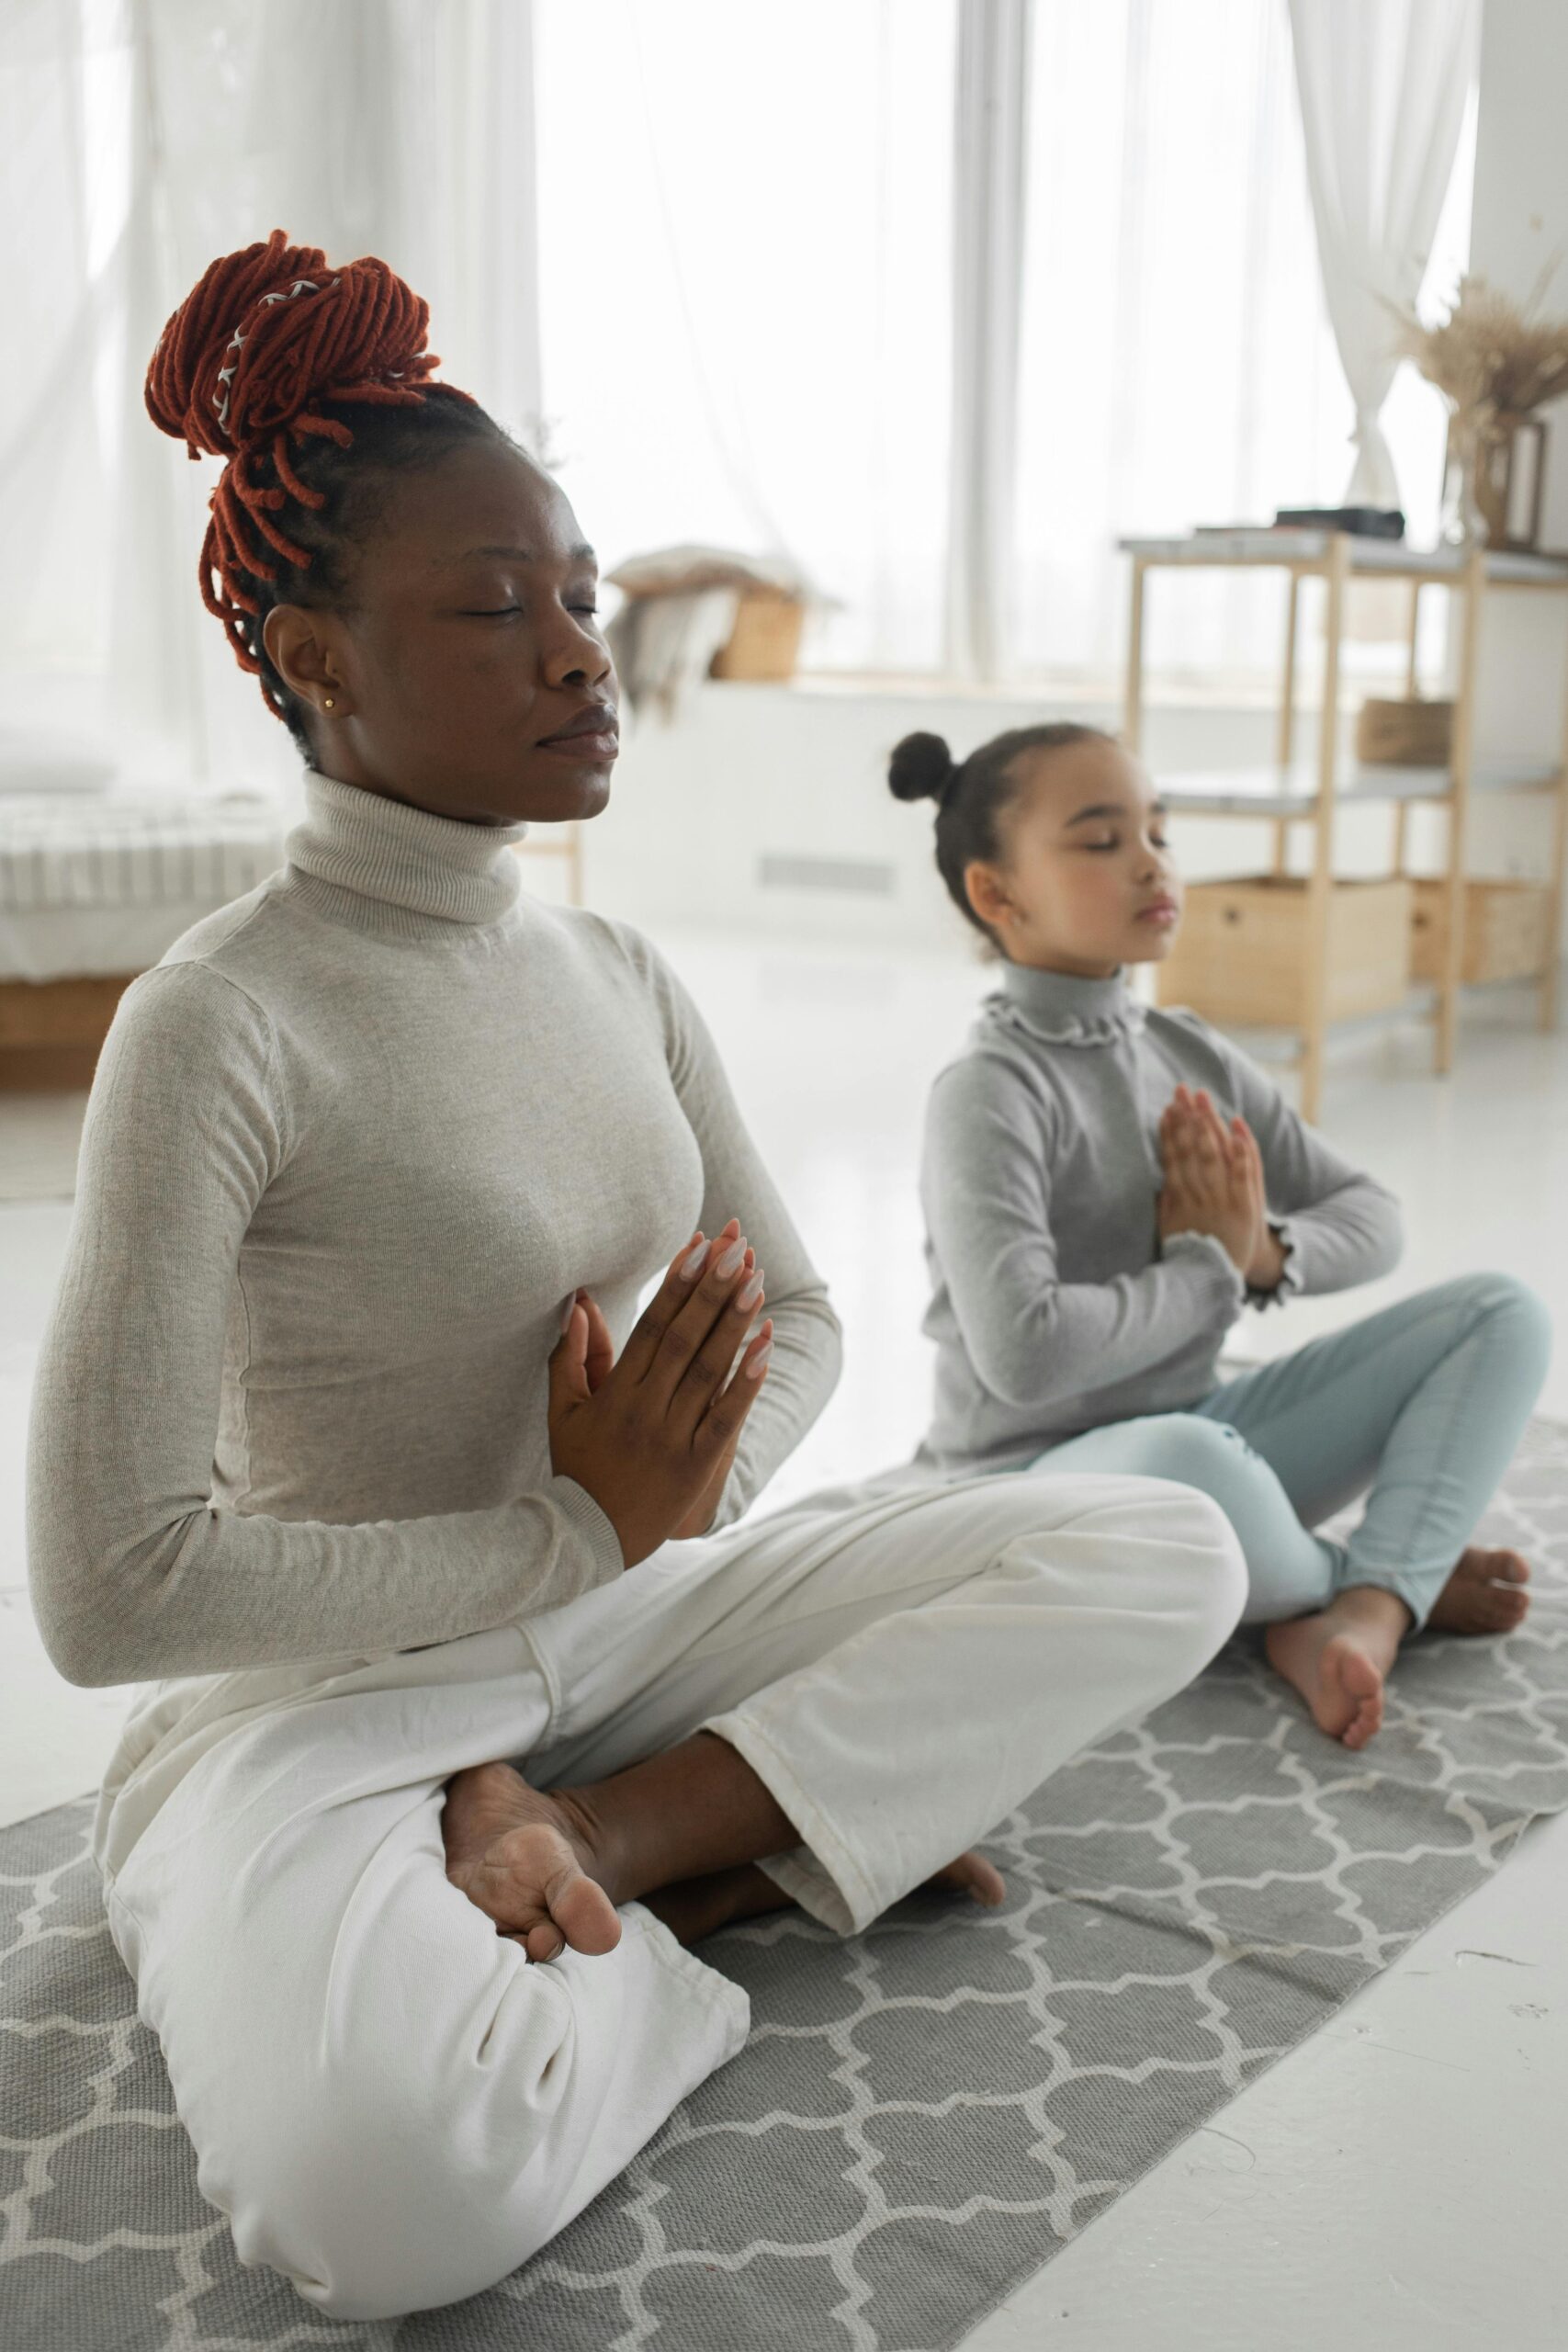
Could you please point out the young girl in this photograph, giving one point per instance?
(1106, 1187)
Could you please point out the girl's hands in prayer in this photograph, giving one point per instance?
(1267, 1262)
(1213, 1182)
(652, 1436)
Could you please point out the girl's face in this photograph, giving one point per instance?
(1087, 884)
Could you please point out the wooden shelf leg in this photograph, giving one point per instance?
(1551, 965)
(1320, 888)
(1133, 698)
(1287, 737)
(1473, 591)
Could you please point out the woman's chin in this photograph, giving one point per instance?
(568, 798)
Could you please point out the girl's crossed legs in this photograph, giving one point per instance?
(392, 2103)
(1423, 1403)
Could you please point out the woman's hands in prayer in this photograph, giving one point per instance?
(1213, 1184)
(652, 1436)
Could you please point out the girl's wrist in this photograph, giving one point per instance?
(1268, 1263)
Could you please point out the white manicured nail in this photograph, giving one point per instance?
(730, 1262)
(757, 1365)
(568, 1311)
(747, 1299)
(690, 1267)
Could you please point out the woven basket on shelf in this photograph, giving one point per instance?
(1404, 734)
(766, 641)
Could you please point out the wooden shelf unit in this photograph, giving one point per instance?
(1288, 796)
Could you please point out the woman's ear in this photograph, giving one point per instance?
(986, 894)
(297, 644)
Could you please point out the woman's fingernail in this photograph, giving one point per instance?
(568, 1311)
(692, 1266)
(730, 1262)
(747, 1299)
(757, 1365)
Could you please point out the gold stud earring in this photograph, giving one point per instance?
(327, 702)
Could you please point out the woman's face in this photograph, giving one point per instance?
(1087, 884)
(468, 672)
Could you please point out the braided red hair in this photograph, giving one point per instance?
(240, 370)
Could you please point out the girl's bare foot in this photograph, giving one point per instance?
(1474, 1600)
(1338, 1658)
(700, 1906)
(528, 1860)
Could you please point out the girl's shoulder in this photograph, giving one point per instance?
(996, 1073)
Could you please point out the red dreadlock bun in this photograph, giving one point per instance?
(240, 369)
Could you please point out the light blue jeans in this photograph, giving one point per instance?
(1423, 1403)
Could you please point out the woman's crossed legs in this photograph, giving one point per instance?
(393, 2104)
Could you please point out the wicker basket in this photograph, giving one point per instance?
(1407, 734)
(1506, 927)
(764, 644)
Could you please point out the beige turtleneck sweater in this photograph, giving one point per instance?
(349, 1148)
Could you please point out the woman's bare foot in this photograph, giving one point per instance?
(1485, 1594)
(700, 1906)
(1338, 1658)
(528, 1860)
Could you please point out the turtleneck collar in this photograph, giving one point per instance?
(405, 858)
(1066, 1011)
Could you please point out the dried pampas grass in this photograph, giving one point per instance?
(1495, 360)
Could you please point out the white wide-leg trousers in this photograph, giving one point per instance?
(392, 2106)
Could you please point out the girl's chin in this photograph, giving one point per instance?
(1149, 944)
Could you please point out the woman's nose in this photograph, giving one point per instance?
(574, 656)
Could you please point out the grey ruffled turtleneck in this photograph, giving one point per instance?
(1053, 1308)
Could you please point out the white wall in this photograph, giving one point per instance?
(1518, 225)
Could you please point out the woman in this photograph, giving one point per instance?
(1105, 1188)
(349, 1439)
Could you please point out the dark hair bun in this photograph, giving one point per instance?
(269, 332)
(921, 768)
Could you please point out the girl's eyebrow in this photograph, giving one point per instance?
(1103, 808)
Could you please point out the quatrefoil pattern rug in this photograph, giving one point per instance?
(923, 2115)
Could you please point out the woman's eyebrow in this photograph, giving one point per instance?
(582, 554)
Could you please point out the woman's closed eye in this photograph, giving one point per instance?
(501, 612)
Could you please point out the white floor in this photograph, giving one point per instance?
(1396, 2182)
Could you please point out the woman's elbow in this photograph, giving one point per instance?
(81, 1649)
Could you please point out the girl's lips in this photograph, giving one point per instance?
(1159, 911)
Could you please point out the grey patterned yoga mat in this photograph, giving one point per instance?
(922, 2116)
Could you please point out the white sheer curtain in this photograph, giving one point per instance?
(745, 236)
(142, 138)
(1178, 363)
(1383, 86)
(991, 175)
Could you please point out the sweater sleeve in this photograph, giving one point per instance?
(807, 1348)
(1031, 1338)
(136, 1573)
(1338, 1227)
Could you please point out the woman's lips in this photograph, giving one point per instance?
(1161, 912)
(593, 735)
(598, 744)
